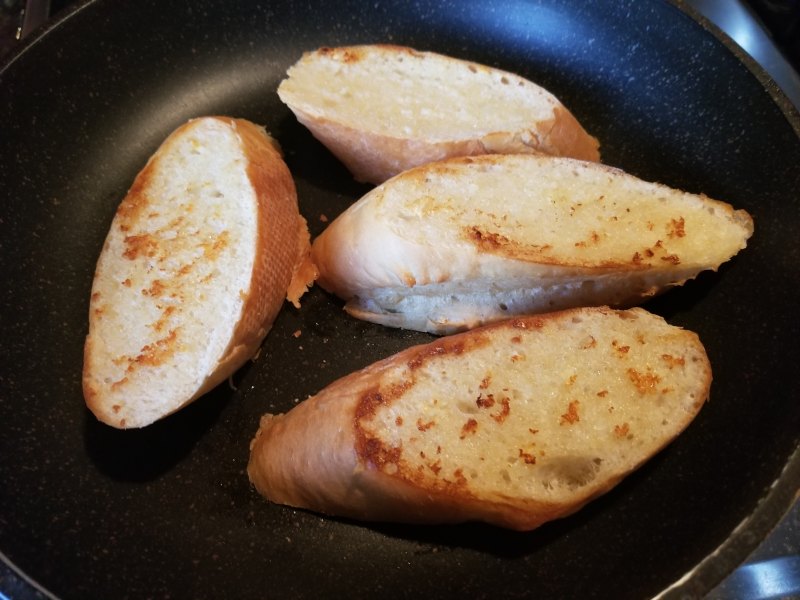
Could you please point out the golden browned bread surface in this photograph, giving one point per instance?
(197, 262)
(382, 109)
(466, 241)
(514, 424)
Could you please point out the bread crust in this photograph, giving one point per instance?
(134, 387)
(327, 455)
(374, 153)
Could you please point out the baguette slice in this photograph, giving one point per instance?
(467, 241)
(197, 262)
(383, 109)
(514, 424)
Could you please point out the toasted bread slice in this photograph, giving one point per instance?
(514, 424)
(197, 262)
(383, 109)
(463, 242)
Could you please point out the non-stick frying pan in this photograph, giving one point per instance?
(167, 512)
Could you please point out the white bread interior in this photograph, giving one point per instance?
(514, 424)
(383, 109)
(197, 262)
(456, 244)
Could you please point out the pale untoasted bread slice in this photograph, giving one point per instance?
(195, 267)
(383, 109)
(514, 424)
(467, 241)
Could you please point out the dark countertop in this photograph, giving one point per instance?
(770, 33)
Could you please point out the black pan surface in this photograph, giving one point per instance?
(167, 512)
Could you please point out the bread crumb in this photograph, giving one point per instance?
(297, 333)
(644, 382)
(486, 402)
(323, 218)
(671, 258)
(504, 411)
(676, 228)
(620, 348)
(571, 416)
(470, 427)
(459, 475)
(673, 361)
(425, 426)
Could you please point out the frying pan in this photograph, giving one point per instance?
(167, 511)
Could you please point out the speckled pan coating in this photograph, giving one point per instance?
(87, 511)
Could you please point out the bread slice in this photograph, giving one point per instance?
(197, 262)
(383, 109)
(463, 242)
(514, 424)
